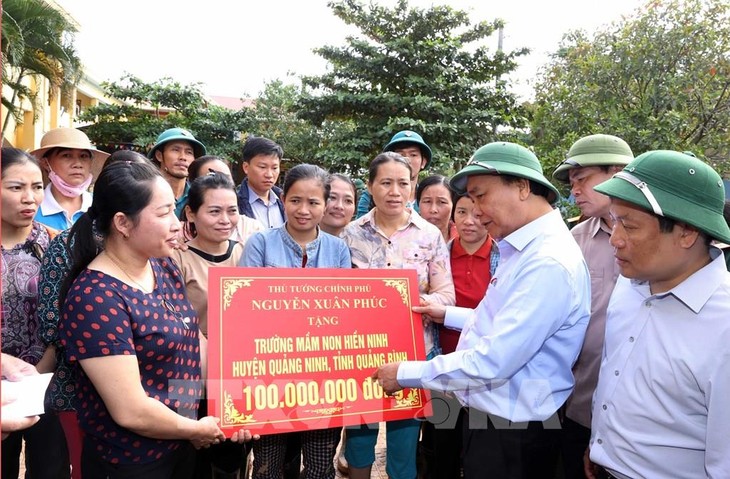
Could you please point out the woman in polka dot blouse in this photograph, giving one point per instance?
(131, 332)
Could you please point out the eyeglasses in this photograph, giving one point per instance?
(171, 309)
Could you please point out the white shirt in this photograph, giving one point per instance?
(517, 348)
(269, 215)
(662, 405)
(52, 214)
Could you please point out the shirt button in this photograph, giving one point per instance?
(615, 372)
(604, 407)
(600, 441)
(388, 264)
(631, 339)
(647, 304)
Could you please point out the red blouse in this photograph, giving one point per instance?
(471, 278)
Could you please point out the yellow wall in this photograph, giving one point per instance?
(50, 113)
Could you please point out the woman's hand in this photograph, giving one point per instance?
(431, 311)
(207, 433)
(14, 369)
(242, 435)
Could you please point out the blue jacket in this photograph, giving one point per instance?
(275, 248)
(244, 207)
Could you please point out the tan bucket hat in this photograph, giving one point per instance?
(71, 138)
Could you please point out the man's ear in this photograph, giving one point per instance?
(615, 169)
(688, 235)
(524, 187)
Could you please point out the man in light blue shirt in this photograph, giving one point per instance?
(512, 366)
(660, 409)
(258, 195)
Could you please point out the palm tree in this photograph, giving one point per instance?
(37, 40)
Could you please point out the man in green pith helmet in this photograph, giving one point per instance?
(174, 150)
(660, 407)
(591, 160)
(512, 367)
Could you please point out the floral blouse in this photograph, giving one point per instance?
(418, 245)
(20, 268)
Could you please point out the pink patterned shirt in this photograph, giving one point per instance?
(418, 245)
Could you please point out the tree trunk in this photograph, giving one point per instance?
(11, 111)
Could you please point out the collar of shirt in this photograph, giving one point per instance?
(696, 290)
(186, 190)
(457, 250)
(291, 242)
(27, 245)
(521, 237)
(413, 219)
(596, 225)
(49, 205)
(252, 197)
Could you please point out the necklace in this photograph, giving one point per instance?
(129, 276)
(170, 309)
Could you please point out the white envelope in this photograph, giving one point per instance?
(26, 396)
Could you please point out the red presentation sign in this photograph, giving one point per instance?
(294, 349)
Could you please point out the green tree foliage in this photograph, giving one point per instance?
(422, 69)
(659, 79)
(37, 41)
(144, 110)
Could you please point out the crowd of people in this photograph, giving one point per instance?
(599, 348)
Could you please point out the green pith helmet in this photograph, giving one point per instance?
(676, 186)
(594, 150)
(502, 158)
(174, 134)
(408, 136)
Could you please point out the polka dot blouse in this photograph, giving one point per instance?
(102, 316)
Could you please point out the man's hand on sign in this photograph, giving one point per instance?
(386, 375)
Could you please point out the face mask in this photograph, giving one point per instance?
(67, 190)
